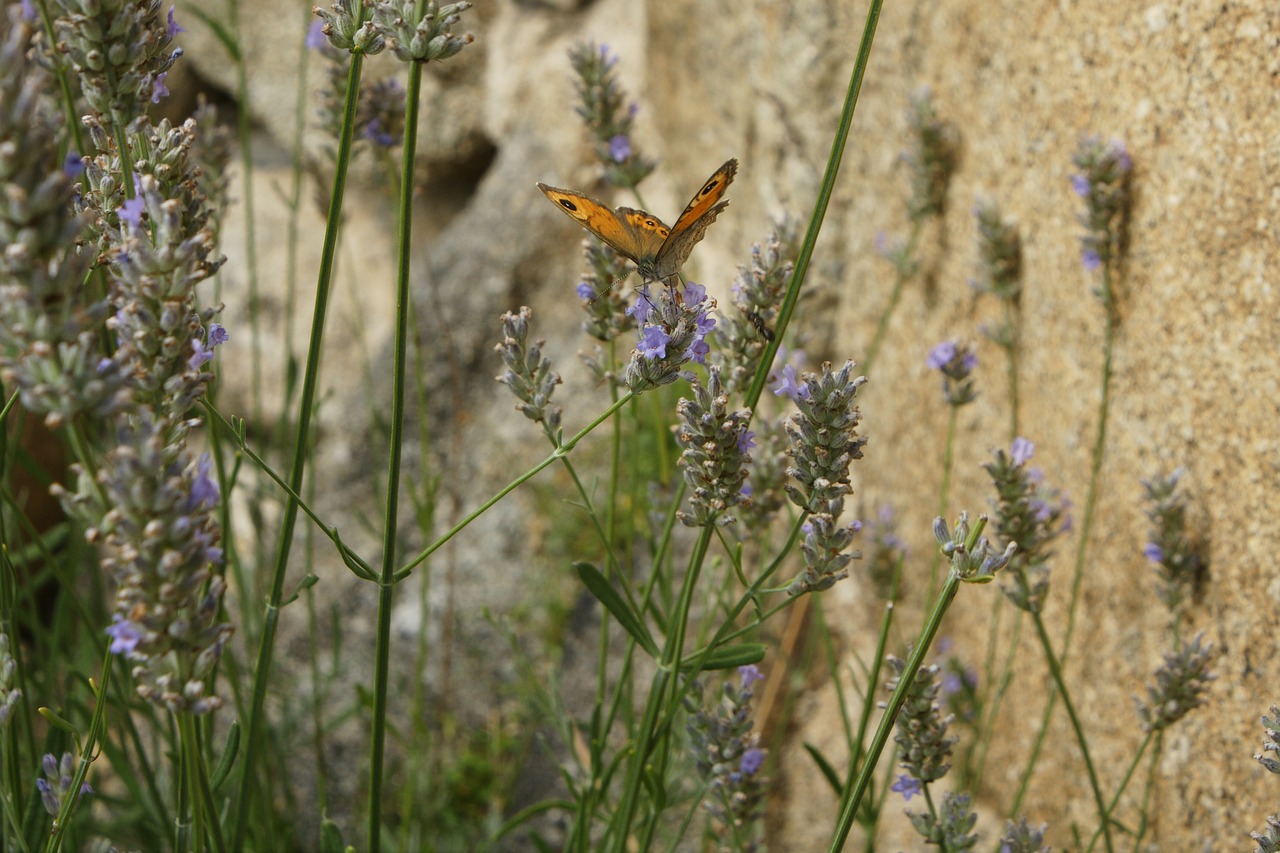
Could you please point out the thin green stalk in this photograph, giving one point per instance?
(993, 710)
(944, 490)
(1095, 467)
(196, 778)
(1124, 783)
(882, 327)
(1095, 471)
(1055, 670)
(873, 683)
(665, 678)
(559, 453)
(243, 119)
(1011, 354)
(306, 404)
(820, 206)
(382, 657)
(852, 798)
(88, 752)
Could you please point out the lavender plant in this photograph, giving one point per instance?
(106, 332)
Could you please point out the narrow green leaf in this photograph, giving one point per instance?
(228, 759)
(725, 657)
(824, 766)
(331, 837)
(599, 586)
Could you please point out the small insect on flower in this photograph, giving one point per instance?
(657, 251)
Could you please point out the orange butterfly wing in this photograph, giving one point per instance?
(693, 221)
(658, 251)
(633, 233)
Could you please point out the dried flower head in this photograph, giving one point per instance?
(1103, 182)
(603, 301)
(921, 728)
(728, 757)
(1180, 685)
(955, 362)
(528, 373)
(421, 36)
(1019, 837)
(160, 536)
(933, 158)
(348, 31)
(608, 116)
(951, 828)
(1029, 514)
(757, 296)
(714, 457)
(673, 330)
(973, 559)
(1178, 564)
(121, 51)
(999, 254)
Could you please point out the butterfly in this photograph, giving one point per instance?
(658, 251)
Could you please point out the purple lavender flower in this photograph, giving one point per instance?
(158, 88)
(906, 786)
(642, 307)
(750, 673)
(941, 355)
(585, 291)
(955, 362)
(204, 488)
(200, 355)
(73, 165)
(374, 133)
(785, 384)
(1103, 183)
(316, 39)
(173, 27)
(1021, 450)
(1153, 552)
(620, 147)
(752, 761)
(131, 211)
(653, 342)
(125, 635)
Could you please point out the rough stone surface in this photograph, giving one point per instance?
(1192, 90)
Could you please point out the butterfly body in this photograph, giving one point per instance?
(657, 251)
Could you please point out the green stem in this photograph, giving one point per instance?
(306, 405)
(559, 453)
(243, 128)
(944, 490)
(1124, 783)
(882, 327)
(852, 798)
(664, 679)
(1095, 468)
(1082, 547)
(386, 584)
(1055, 670)
(820, 206)
(1011, 353)
(88, 752)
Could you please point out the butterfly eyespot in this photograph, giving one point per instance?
(568, 205)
